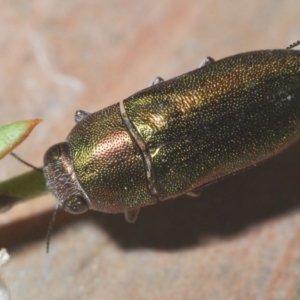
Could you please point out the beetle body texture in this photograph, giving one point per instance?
(179, 135)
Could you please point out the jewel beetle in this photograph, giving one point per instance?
(178, 135)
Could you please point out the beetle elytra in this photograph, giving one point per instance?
(178, 135)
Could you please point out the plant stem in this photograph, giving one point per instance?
(21, 188)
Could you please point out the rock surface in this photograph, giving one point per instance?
(239, 240)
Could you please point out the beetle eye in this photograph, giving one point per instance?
(75, 205)
(53, 154)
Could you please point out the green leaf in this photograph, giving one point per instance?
(11, 135)
(26, 186)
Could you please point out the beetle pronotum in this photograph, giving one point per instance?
(178, 135)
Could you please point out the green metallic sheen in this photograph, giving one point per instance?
(108, 164)
(218, 119)
(179, 135)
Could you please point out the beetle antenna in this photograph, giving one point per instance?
(51, 226)
(25, 162)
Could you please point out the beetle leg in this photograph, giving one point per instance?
(295, 46)
(156, 80)
(80, 115)
(131, 215)
(206, 61)
(194, 194)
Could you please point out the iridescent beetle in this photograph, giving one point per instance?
(178, 135)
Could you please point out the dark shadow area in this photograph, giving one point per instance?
(224, 209)
(34, 229)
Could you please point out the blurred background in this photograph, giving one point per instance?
(239, 240)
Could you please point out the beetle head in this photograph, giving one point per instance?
(61, 179)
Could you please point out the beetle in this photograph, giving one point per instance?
(178, 135)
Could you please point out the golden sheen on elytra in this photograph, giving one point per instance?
(180, 134)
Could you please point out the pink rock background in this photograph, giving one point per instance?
(239, 240)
